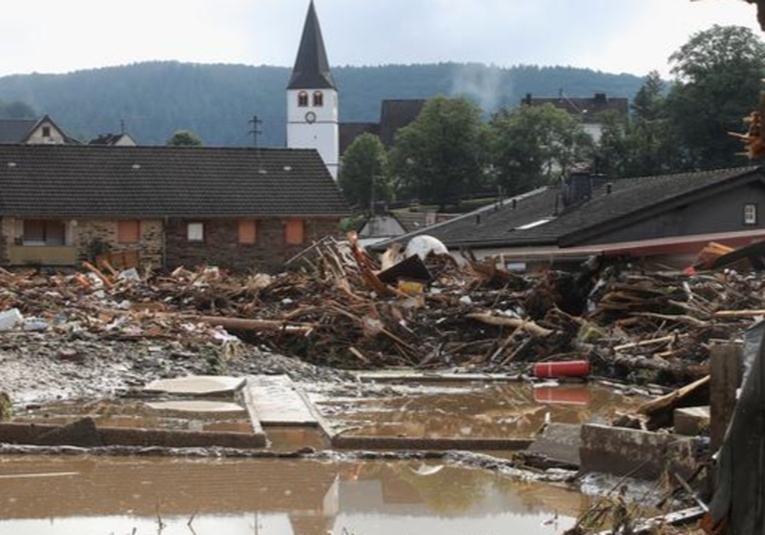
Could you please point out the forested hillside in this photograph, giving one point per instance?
(217, 102)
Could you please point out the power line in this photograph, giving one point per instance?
(255, 130)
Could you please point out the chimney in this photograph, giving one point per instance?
(577, 188)
(527, 99)
(600, 99)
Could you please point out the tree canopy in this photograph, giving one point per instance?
(719, 74)
(17, 110)
(184, 138)
(440, 156)
(363, 177)
(534, 145)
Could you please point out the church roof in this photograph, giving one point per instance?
(311, 69)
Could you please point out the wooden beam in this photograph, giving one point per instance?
(726, 370)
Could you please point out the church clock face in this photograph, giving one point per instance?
(310, 117)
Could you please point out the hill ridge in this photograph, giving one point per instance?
(153, 99)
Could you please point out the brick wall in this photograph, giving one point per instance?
(7, 226)
(221, 246)
(149, 246)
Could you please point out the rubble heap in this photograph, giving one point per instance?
(339, 307)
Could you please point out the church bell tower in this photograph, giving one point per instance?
(312, 98)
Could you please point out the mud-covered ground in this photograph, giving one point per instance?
(39, 367)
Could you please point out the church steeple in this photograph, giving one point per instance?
(312, 99)
(311, 69)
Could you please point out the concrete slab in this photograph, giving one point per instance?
(640, 454)
(691, 421)
(197, 385)
(559, 443)
(82, 433)
(275, 400)
(32, 433)
(198, 408)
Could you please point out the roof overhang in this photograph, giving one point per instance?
(676, 245)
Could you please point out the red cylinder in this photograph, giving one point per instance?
(569, 368)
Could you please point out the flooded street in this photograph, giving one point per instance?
(468, 409)
(338, 494)
(123, 496)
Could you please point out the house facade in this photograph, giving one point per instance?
(33, 131)
(588, 110)
(169, 206)
(660, 220)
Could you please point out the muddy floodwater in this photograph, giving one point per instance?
(124, 496)
(101, 495)
(468, 409)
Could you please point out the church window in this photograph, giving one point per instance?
(302, 99)
(318, 98)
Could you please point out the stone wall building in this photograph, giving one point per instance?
(241, 208)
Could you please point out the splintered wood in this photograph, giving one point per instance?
(337, 305)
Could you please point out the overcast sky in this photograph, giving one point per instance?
(634, 36)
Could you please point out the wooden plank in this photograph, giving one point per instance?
(726, 369)
(676, 517)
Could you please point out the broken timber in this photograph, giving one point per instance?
(682, 516)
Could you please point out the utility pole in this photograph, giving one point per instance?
(255, 130)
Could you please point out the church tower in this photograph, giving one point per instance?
(312, 103)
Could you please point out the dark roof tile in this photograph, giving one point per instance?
(395, 114)
(350, 131)
(15, 130)
(631, 199)
(101, 181)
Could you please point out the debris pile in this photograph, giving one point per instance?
(339, 307)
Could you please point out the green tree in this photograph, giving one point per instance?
(535, 145)
(718, 73)
(184, 138)
(364, 168)
(17, 110)
(612, 149)
(653, 146)
(649, 101)
(440, 156)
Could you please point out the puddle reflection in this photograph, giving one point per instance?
(494, 410)
(52, 495)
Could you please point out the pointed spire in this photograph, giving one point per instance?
(311, 69)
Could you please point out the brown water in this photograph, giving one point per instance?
(475, 410)
(125, 496)
(506, 410)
